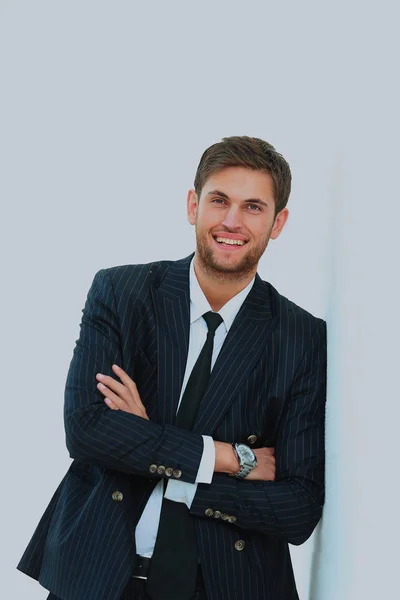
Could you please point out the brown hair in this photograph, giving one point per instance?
(250, 152)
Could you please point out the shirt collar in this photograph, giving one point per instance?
(200, 305)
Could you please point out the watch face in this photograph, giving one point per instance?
(245, 453)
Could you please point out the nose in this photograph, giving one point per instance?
(232, 217)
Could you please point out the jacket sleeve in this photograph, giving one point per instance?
(289, 507)
(111, 439)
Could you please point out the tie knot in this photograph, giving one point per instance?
(213, 320)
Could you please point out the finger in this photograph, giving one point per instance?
(116, 400)
(111, 404)
(129, 383)
(113, 385)
(123, 375)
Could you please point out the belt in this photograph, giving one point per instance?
(142, 567)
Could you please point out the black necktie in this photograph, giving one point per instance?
(174, 562)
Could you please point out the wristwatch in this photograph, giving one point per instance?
(247, 460)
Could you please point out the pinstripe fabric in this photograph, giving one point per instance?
(269, 380)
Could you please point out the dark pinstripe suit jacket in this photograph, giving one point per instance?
(269, 381)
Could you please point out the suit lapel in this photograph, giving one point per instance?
(172, 304)
(246, 339)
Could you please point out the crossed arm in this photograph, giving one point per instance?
(125, 396)
(288, 507)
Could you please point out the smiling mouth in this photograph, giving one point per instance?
(229, 243)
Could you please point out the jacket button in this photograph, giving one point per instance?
(232, 519)
(209, 512)
(239, 545)
(252, 439)
(153, 468)
(169, 471)
(177, 473)
(217, 514)
(161, 470)
(117, 496)
(224, 517)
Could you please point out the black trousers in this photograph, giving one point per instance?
(136, 590)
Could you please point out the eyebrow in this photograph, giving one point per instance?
(249, 200)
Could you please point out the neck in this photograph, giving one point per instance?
(219, 288)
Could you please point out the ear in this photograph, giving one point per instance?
(192, 206)
(279, 223)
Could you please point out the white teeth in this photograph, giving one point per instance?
(229, 241)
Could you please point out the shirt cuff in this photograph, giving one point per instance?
(181, 491)
(207, 463)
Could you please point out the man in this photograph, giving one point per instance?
(194, 412)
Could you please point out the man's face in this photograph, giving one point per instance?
(234, 220)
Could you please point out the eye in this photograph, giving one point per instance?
(218, 200)
(254, 207)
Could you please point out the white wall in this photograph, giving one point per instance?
(358, 542)
(105, 111)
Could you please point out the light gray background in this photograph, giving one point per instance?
(106, 108)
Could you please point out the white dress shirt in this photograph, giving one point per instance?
(181, 491)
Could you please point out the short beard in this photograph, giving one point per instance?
(227, 273)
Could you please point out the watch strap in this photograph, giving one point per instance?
(243, 471)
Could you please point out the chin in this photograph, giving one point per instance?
(229, 266)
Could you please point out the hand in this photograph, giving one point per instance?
(121, 396)
(265, 469)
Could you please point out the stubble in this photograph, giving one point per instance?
(223, 271)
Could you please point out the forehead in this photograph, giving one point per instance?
(240, 183)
